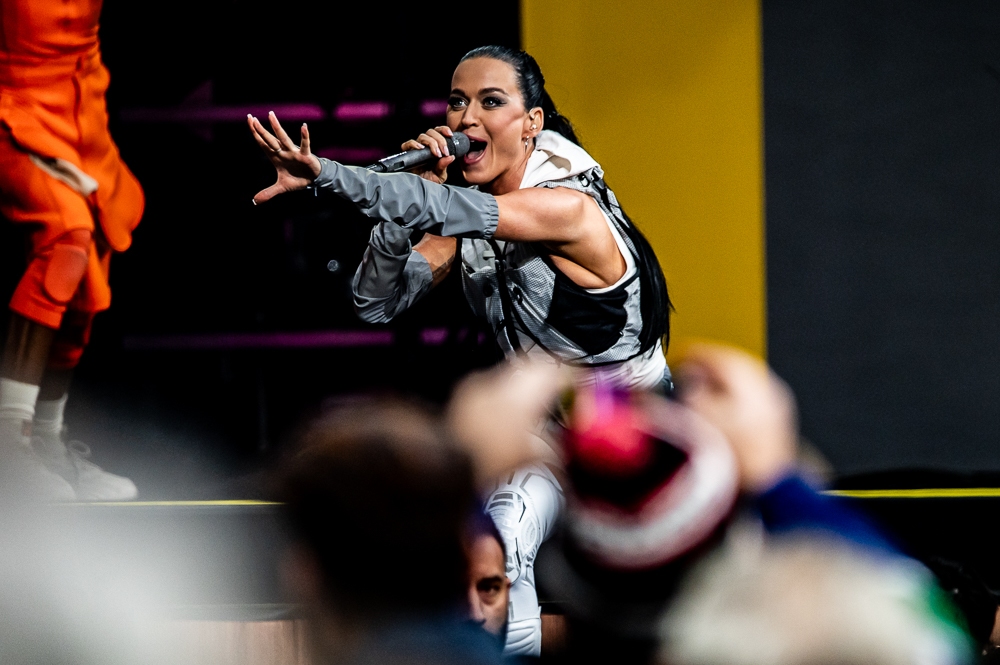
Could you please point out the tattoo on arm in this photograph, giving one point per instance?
(441, 271)
(440, 254)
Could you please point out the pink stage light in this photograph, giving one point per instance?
(209, 113)
(274, 340)
(313, 339)
(198, 108)
(350, 155)
(354, 111)
(433, 108)
(433, 336)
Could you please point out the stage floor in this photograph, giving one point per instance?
(221, 560)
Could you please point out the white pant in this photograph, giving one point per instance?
(525, 506)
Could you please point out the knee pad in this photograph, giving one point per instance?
(65, 264)
(53, 275)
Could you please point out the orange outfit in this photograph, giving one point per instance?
(54, 121)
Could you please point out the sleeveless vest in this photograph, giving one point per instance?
(535, 309)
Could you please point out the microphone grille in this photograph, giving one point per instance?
(459, 144)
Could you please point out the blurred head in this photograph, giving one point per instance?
(807, 599)
(978, 603)
(498, 99)
(651, 489)
(378, 500)
(488, 586)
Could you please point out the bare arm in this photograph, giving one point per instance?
(568, 223)
(439, 252)
(556, 216)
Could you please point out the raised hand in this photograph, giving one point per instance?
(494, 414)
(436, 141)
(755, 409)
(297, 167)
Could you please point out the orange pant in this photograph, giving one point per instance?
(71, 234)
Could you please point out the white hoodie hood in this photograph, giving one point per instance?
(555, 158)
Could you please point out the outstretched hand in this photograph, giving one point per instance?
(297, 167)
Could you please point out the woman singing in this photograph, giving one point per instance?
(547, 256)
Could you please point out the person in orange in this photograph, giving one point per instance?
(62, 180)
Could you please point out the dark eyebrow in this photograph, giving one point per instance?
(496, 579)
(484, 91)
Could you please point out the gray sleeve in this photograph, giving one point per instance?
(391, 276)
(411, 202)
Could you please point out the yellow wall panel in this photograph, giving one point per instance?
(667, 97)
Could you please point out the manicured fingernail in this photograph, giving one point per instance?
(446, 151)
(254, 201)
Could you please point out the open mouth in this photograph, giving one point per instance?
(477, 149)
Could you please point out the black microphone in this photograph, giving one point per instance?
(458, 145)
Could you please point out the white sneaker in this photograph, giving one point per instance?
(25, 477)
(91, 482)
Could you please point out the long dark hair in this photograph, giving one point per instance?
(655, 302)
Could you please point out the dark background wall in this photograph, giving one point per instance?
(881, 139)
(185, 421)
(882, 144)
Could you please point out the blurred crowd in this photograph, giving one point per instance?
(533, 519)
(681, 530)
